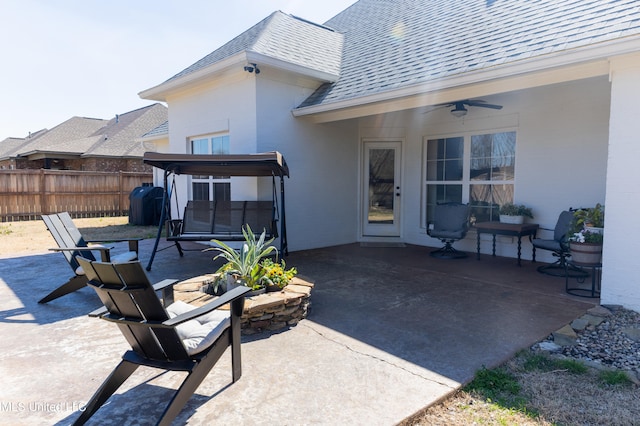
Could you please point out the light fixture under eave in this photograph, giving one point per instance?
(459, 110)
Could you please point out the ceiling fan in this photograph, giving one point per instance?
(459, 109)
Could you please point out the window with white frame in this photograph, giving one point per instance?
(475, 168)
(210, 188)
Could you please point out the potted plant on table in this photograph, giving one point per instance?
(514, 213)
(586, 235)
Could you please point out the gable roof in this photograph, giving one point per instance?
(379, 50)
(394, 44)
(280, 40)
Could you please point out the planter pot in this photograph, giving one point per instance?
(256, 292)
(585, 253)
(273, 288)
(594, 229)
(517, 220)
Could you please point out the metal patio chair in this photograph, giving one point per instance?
(71, 243)
(450, 224)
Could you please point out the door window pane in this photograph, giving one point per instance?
(381, 181)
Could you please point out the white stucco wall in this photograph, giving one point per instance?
(225, 105)
(620, 283)
(321, 194)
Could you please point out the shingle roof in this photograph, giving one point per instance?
(62, 137)
(118, 137)
(92, 137)
(161, 130)
(9, 145)
(283, 37)
(390, 44)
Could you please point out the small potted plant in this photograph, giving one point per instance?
(276, 276)
(514, 213)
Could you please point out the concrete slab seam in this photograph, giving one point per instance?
(319, 333)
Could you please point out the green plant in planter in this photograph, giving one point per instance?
(245, 263)
(588, 217)
(276, 274)
(510, 209)
(585, 223)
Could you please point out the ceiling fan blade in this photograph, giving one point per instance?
(481, 103)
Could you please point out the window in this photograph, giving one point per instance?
(492, 170)
(210, 188)
(444, 171)
(478, 169)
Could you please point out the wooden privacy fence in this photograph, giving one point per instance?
(27, 194)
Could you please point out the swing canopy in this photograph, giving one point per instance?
(262, 164)
(204, 220)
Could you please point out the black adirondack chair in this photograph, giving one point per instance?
(72, 244)
(157, 339)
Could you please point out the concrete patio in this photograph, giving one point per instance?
(390, 331)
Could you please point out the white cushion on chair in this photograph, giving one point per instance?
(118, 258)
(200, 333)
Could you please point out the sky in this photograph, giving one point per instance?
(91, 58)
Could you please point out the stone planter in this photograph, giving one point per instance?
(516, 220)
(269, 311)
(585, 253)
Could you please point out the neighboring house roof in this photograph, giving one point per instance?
(9, 145)
(91, 137)
(280, 40)
(62, 137)
(119, 136)
(392, 44)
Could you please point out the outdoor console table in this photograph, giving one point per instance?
(514, 230)
(596, 273)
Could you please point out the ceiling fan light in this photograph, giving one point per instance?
(459, 111)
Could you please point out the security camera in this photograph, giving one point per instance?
(251, 68)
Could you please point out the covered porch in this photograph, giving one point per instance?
(390, 331)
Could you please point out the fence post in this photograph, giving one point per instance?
(120, 199)
(43, 198)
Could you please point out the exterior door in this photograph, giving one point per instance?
(381, 180)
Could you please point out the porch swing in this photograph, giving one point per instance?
(204, 220)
